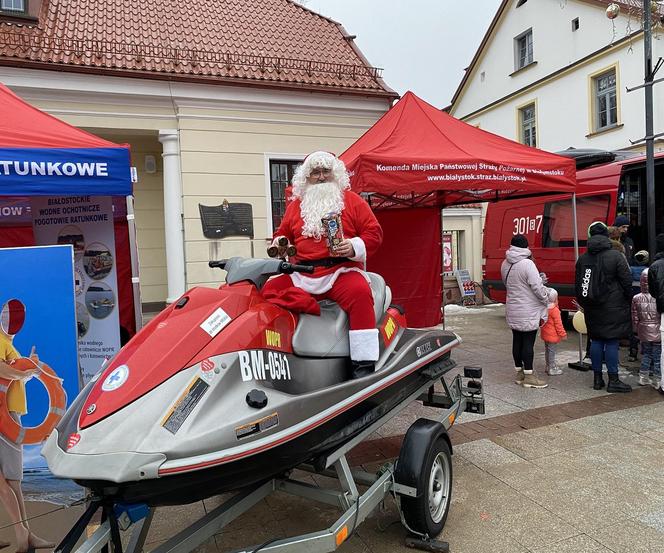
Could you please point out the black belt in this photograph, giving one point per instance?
(325, 262)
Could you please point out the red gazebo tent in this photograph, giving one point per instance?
(417, 156)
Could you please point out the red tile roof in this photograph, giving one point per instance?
(270, 42)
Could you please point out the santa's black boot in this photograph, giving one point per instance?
(360, 369)
(598, 383)
(617, 386)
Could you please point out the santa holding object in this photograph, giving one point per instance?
(321, 190)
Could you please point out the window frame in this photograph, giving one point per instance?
(11, 11)
(593, 112)
(520, 134)
(269, 159)
(517, 49)
(548, 242)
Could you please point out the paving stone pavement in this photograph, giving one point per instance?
(558, 470)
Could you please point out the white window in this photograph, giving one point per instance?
(13, 5)
(527, 117)
(523, 49)
(606, 100)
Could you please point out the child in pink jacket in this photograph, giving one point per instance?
(552, 332)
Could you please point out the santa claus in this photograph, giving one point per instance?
(321, 187)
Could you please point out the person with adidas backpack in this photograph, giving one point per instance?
(603, 286)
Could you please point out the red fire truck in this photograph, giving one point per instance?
(609, 183)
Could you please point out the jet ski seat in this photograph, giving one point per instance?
(327, 335)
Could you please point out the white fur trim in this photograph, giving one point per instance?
(364, 344)
(322, 284)
(360, 249)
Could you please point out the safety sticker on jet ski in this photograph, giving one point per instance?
(388, 329)
(255, 427)
(216, 322)
(423, 349)
(208, 370)
(254, 366)
(272, 339)
(184, 405)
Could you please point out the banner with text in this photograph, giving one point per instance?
(86, 222)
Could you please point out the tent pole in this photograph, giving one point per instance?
(442, 273)
(576, 257)
(133, 252)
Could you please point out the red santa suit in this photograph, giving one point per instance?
(345, 283)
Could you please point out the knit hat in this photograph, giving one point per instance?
(659, 241)
(520, 241)
(642, 257)
(598, 228)
(621, 220)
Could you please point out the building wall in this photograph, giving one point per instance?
(555, 46)
(149, 211)
(225, 156)
(469, 223)
(563, 106)
(563, 100)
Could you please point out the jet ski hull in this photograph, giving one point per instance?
(201, 482)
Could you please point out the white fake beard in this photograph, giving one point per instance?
(318, 201)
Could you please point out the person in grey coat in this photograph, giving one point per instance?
(525, 309)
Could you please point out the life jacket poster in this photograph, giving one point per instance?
(37, 339)
(86, 222)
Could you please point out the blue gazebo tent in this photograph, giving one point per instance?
(43, 156)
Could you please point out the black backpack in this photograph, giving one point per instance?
(592, 287)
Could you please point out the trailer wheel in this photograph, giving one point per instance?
(427, 512)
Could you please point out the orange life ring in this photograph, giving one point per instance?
(57, 398)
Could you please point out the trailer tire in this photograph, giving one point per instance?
(427, 513)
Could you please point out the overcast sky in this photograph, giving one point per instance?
(422, 45)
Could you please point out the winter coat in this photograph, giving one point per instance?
(609, 319)
(656, 281)
(527, 297)
(553, 330)
(645, 317)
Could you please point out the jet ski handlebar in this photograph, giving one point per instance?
(288, 268)
(284, 267)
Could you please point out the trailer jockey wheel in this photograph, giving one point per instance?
(427, 512)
